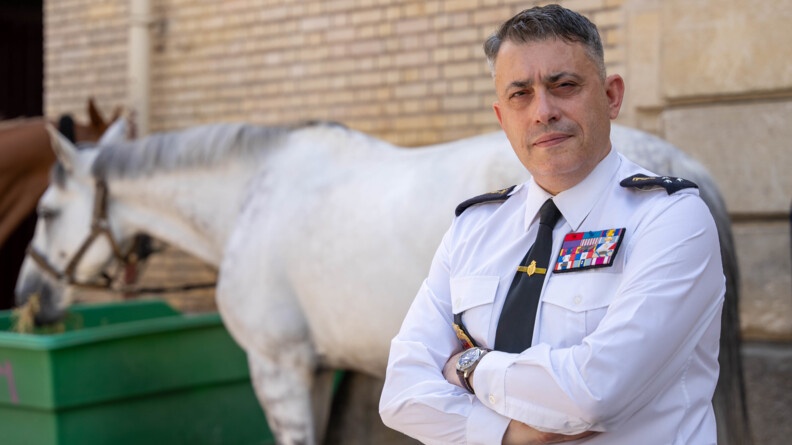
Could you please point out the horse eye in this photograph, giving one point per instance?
(46, 214)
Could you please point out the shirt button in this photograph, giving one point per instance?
(577, 300)
(492, 398)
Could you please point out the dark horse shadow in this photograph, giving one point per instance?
(26, 158)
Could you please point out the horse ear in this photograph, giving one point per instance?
(117, 111)
(116, 132)
(96, 117)
(63, 148)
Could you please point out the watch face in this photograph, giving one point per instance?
(468, 358)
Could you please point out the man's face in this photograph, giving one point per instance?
(555, 109)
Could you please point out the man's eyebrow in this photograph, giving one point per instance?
(563, 74)
(519, 84)
(551, 78)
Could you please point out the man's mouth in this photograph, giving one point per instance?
(550, 139)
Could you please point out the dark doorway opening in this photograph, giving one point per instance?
(21, 95)
(21, 58)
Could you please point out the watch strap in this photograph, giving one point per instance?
(463, 380)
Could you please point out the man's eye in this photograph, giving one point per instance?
(566, 86)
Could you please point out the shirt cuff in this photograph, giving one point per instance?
(485, 426)
(488, 379)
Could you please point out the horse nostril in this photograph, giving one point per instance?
(45, 318)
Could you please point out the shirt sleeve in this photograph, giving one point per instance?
(664, 312)
(416, 399)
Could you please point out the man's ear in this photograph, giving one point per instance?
(614, 90)
(497, 110)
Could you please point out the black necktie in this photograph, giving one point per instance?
(516, 323)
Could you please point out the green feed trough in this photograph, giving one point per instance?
(136, 372)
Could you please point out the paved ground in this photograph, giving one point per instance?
(768, 375)
(355, 419)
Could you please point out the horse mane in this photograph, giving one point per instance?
(199, 146)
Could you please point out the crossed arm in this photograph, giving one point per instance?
(517, 433)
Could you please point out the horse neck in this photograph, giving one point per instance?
(192, 209)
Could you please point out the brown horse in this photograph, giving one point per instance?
(26, 158)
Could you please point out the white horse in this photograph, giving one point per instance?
(322, 236)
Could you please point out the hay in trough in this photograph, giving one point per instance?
(23, 319)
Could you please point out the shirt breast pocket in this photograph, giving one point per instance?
(575, 304)
(473, 297)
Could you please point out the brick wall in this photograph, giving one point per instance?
(411, 72)
(85, 45)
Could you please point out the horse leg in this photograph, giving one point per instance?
(283, 388)
(322, 398)
(271, 327)
(281, 357)
(281, 391)
(274, 333)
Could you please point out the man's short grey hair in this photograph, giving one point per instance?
(548, 22)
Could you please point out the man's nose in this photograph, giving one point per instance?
(545, 110)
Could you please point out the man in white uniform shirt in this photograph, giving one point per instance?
(623, 346)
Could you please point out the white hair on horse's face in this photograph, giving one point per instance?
(58, 175)
(195, 147)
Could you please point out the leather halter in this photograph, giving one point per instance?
(100, 226)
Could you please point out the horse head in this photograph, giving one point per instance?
(94, 130)
(74, 240)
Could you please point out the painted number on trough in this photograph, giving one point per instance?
(7, 371)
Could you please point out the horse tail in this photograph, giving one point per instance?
(731, 407)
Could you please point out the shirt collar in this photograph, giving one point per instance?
(535, 197)
(576, 203)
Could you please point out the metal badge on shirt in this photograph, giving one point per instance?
(587, 250)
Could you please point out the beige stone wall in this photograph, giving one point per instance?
(712, 76)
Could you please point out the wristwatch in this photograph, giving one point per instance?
(467, 363)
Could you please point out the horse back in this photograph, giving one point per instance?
(25, 159)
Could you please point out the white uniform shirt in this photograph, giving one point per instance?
(628, 350)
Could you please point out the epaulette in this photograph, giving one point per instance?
(669, 183)
(498, 195)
